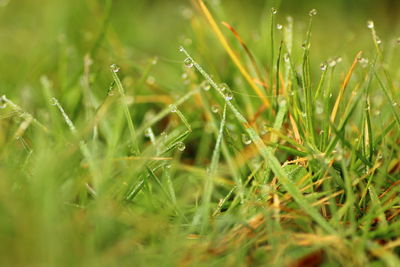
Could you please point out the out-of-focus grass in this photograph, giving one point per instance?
(171, 158)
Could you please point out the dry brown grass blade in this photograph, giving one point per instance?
(241, 232)
(142, 99)
(305, 239)
(248, 52)
(395, 184)
(22, 128)
(344, 85)
(302, 160)
(392, 244)
(324, 200)
(394, 215)
(258, 113)
(263, 84)
(295, 129)
(231, 53)
(313, 259)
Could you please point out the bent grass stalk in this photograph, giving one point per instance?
(83, 147)
(22, 113)
(127, 113)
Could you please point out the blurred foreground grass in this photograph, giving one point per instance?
(117, 148)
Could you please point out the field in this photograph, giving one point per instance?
(199, 133)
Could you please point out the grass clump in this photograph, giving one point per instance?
(259, 154)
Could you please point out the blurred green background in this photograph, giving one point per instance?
(36, 36)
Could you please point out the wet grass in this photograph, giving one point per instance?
(236, 151)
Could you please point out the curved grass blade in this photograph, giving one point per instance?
(127, 114)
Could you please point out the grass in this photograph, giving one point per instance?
(230, 152)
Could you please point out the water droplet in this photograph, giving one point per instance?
(228, 95)
(313, 12)
(88, 60)
(323, 66)
(185, 78)
(274, 10)
(128, 99)
(246, 139)
(231, 127)
(151, 80)
(332, 63)
(223, 87)
(114, 68)
(188, 62)
(110, 92)
(370, 24)
(215, 108)
(279, 26)
(205, 85)
(226, 91)
(264, 129)
(53, 101)
(181, 146)
(154, 61)
(338, 59)
(187, 41)
(319, 109)
(378, 40)
(208, 128)
(173, 108)
(254, 162)
(3, 103)
(286, 57)
(304, 45)
(363, 62)
(187, 13)
(148, 132)
(330, 95)
(304, 114)
(181, 49)
(394, 104)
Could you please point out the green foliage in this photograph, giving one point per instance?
(119, 148)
